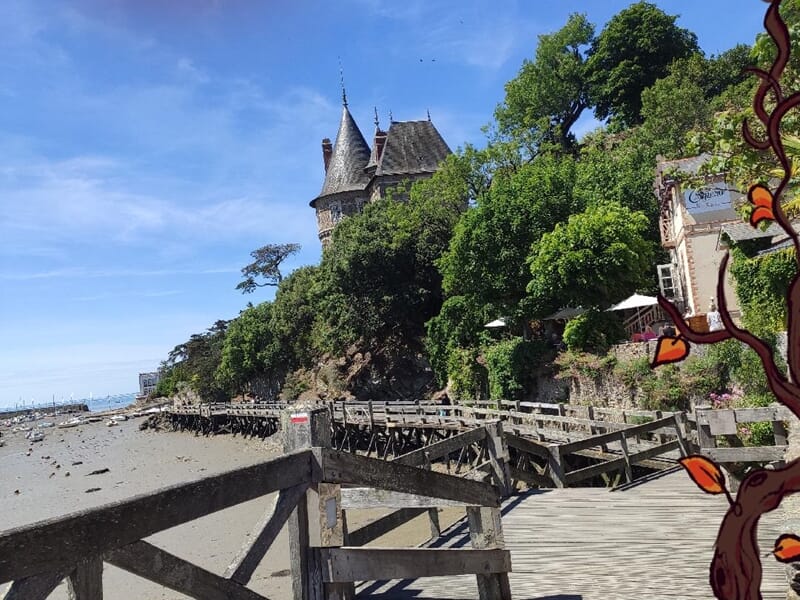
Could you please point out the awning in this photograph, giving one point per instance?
(635, 301)
(496, 323)
(565, 313)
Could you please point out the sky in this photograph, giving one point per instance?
(147, 147)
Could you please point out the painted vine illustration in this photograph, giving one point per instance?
(735, 571)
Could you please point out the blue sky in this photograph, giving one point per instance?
(147, 147)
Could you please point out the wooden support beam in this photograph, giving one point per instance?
(53, 544)
(86, 581)
(486, 532)
(341, 565)
(150, 562)
(628, 470)
(245, 563)
(364, 498)
(528, 446)
(35, 587)
(531, 478)
(443, 448)
(339, 467)
(754, 454)
(555, 464)
(593, 471)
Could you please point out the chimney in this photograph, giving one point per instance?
(380, 142)
(327, 152)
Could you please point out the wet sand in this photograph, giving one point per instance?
(51, 478)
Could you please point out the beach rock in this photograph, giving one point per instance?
(99, 471)
(76, 463)
(90, 490)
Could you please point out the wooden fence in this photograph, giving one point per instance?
(311, 498)
(715, 425)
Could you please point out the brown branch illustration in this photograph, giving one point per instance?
(736, 569)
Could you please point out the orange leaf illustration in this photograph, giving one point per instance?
(761, 213)
(705, 473)
(761, 198)
(787, 548)
(669, 350)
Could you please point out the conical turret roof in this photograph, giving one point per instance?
(350, 155)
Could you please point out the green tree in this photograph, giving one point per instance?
(266, 266)
(194, 364)
(550, 93)
(485, 262)
(247, 349)
(635, 48)
(599, 257)
(293, 320)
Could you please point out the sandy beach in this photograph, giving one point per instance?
(52, 478)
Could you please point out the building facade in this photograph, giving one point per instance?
(356, 174)
(692, 218)
(147, 383)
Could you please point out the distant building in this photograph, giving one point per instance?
(147, 383)
(356, 174)
(692, 217)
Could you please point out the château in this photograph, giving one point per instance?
(355, 174)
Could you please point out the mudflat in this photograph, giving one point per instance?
(54, 477)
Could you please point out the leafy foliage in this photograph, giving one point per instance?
(593, 331)
(509, 362)
(635, 48)
(266, 265)
(599, 257)
(247, 349)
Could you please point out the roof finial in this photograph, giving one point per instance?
(377, 123)
(391, 118)
(341, 80)
(429, 114)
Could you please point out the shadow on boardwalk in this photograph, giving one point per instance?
(650, 540)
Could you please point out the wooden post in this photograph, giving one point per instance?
(556, 465)
(433, 512)
(779, 431)
(662, 439)
(304, 427)
(705, 439)
(628, 470)
(499, 455)
(486, 532)
(86, 581)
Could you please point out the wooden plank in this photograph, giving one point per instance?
(754, 454)
(614, 435)
(721, 422)
(382, 526)
(242, 567)
(486, 531)
(528, 446)
(654, 451)
(342, 467)
(53, 544)
(360, 498)
(86, 581)
(370, 564)
(35, 587)
(443, 448)
(145, 560)
(594, 470)
(531, 478)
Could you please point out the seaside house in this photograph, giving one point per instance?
(355, 174)
(694, 212)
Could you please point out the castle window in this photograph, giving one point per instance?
(336, 212)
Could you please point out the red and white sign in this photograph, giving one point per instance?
(299, 417)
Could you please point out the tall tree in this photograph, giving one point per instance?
(247, 348)
(550, 93)
(634, 49)
(266, 266)
(599, 257)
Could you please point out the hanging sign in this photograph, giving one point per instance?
(707, 199)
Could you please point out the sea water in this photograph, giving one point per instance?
(109, 402)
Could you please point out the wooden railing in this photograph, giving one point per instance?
(712, 424)
(311, 498)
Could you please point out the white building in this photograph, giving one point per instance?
(147, 383)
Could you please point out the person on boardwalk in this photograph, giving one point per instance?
(713, 317)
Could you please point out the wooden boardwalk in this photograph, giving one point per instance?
(653, 540)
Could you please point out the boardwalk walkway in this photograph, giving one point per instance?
(653, 540)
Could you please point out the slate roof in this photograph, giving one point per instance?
(350, 156)
(744, 231)
(412, 147)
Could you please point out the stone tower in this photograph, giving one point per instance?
(355, 175)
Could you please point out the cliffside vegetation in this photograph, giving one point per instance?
(535, 221)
